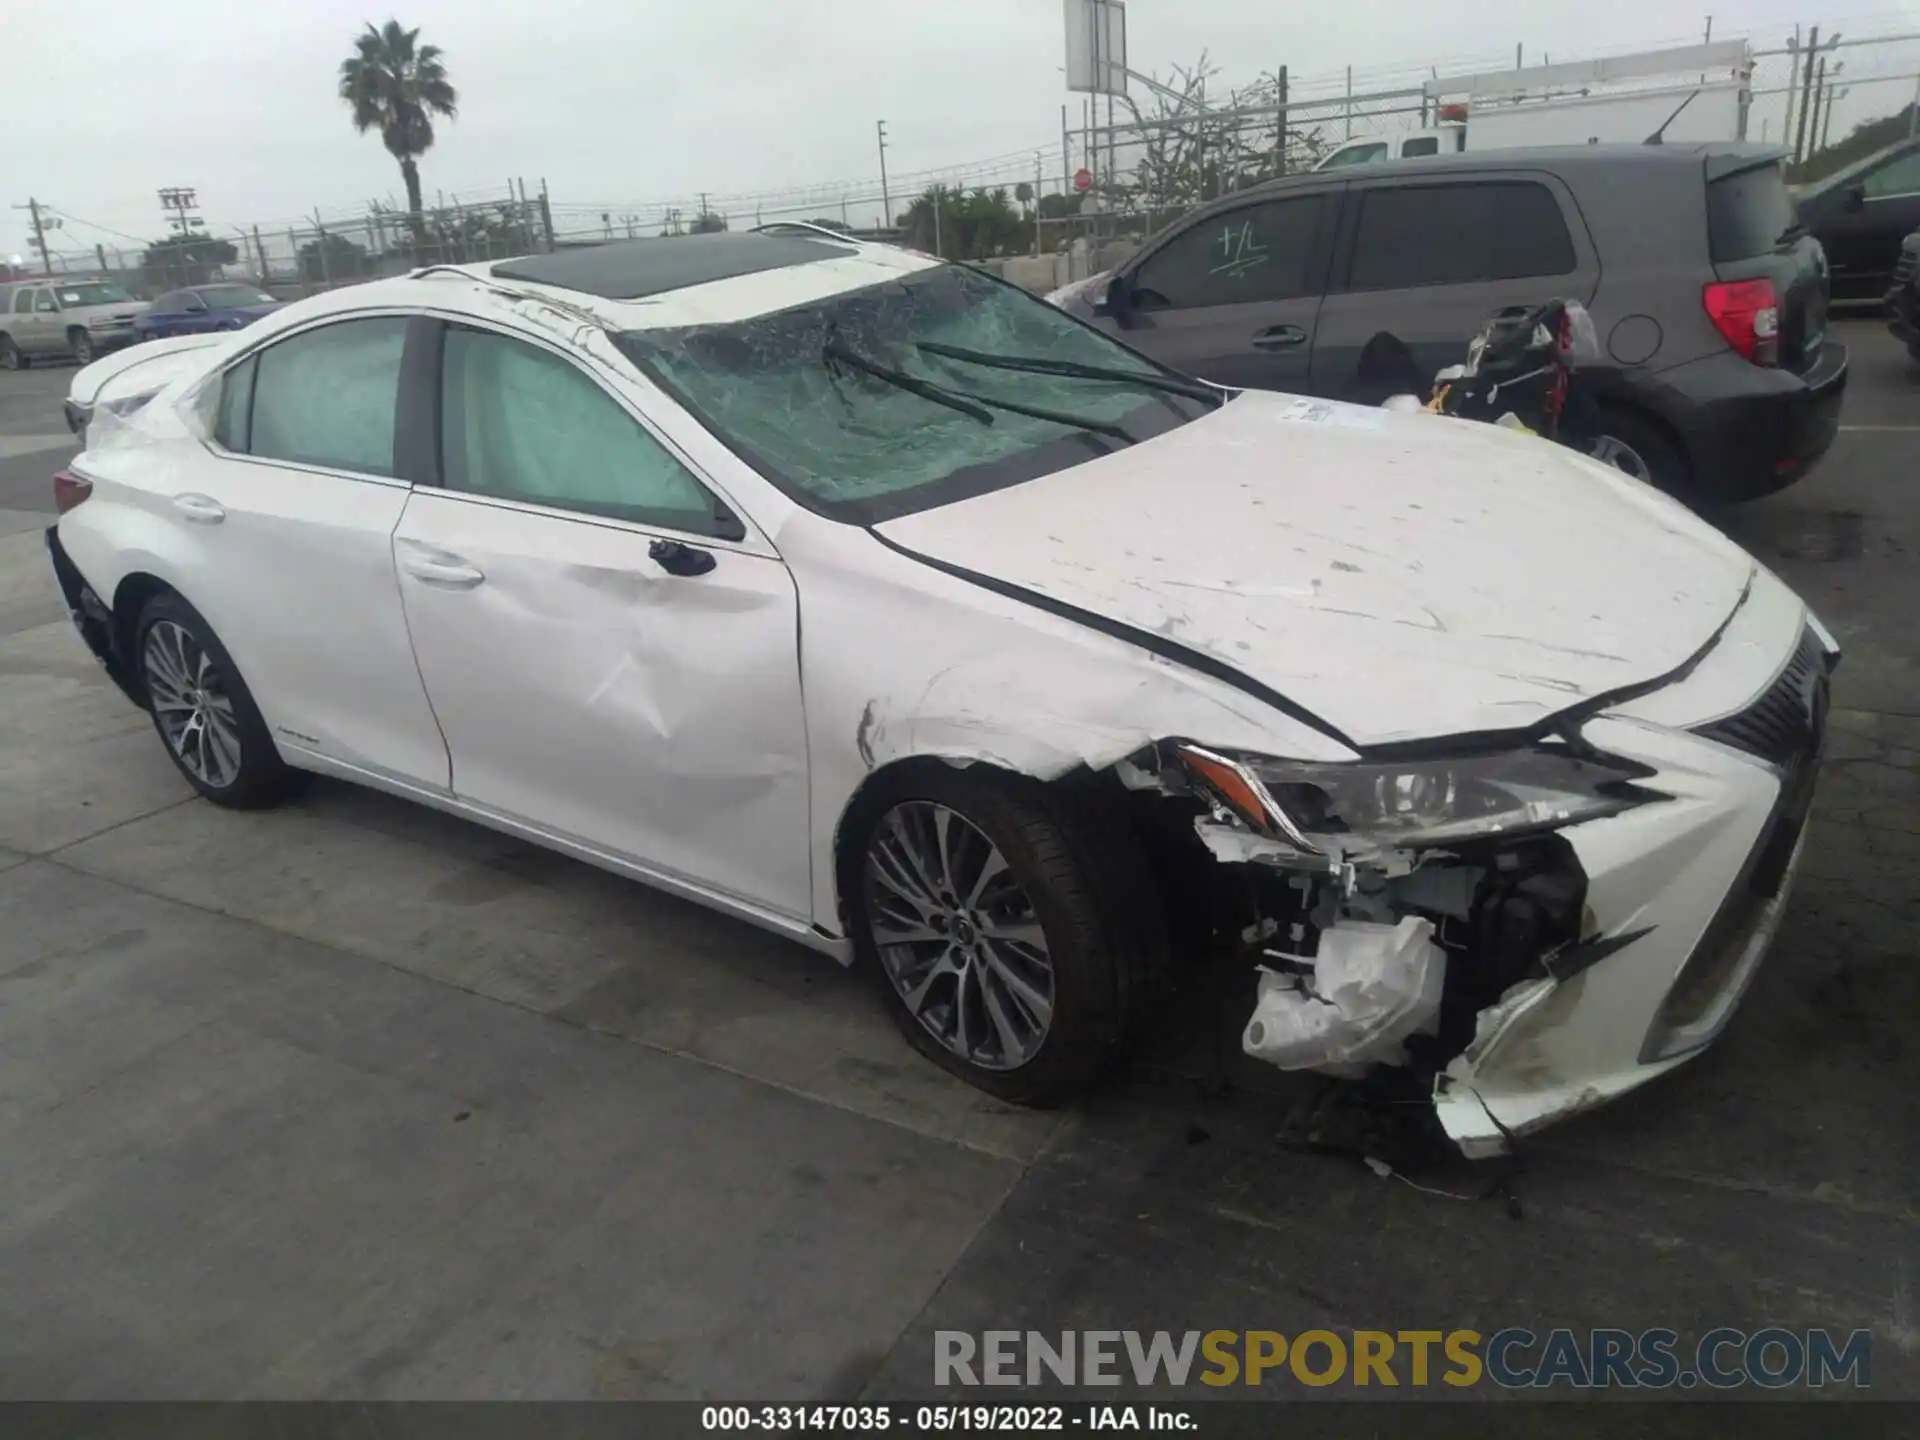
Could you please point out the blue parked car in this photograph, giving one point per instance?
(221, 305)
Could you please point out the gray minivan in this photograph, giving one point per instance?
(1709, 301)
(78, 318)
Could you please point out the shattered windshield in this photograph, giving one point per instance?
(914, 393)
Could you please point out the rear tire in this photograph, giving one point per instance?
(204, 712)
(12, 357)
(1024, 961)
(1637, 446)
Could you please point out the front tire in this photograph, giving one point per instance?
(80, 346)
(204, 712)
(1014, 942)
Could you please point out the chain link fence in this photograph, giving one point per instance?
(295, 260)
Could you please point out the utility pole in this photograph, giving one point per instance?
(1280, 129)
(1806, 96)
(1834, 93)
(1066, 156)
(938, 247)
(1819, 98)
(39, 234)
(1793, 86)
(1350, 102)
(1036, 204)
(886, 196)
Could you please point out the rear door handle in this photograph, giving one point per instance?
(201, 509)
(439, 567)
(1279, 337)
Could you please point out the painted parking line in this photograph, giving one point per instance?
(1880, 429)
(16, 445)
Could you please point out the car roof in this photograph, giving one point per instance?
(706, 290)
(1719, 157)
(633, 269)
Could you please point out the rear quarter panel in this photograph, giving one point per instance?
(1649, 224)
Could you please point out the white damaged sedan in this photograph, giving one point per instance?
(888, 607)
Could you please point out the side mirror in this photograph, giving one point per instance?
(1856, 199)
(1111, 298)
(195, 306)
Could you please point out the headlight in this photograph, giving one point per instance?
(1415, 803)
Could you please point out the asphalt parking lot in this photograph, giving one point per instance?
(350, 1100)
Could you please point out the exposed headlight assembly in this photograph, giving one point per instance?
(1334, 808)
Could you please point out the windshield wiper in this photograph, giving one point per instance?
(965, 401)
(1074, 370)
(913, 385)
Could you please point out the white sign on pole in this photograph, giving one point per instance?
(1097, 46)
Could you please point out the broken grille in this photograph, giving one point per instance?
(1781, 726)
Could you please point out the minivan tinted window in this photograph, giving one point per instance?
(1457, 234)
(1747, 213)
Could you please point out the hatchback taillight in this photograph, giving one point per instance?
(69, 490)
(1747, 312)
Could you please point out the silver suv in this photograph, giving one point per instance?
(75, 318)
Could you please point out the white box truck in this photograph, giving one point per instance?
(1621, 101)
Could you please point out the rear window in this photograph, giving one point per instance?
(1747, 213)
(1459, 234)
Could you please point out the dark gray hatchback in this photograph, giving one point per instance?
(1709, 302)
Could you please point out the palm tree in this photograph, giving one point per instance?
(396, 86)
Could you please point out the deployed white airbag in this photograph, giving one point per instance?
(1372, 986)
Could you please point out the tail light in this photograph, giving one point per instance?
(69, 490)
(1747, 312)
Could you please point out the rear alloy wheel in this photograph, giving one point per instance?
(1613, 451)
(81, 345)
(1015, 940)
(12, 357)
(1636, 446)
(203, 711)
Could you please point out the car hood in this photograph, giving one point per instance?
(1401, 576)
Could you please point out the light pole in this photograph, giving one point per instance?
(886, 198)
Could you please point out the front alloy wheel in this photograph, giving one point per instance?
(82, 346)
(957, 936)
(191, 704)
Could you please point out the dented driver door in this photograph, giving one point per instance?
(610, 657)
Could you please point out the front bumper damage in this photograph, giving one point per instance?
(1527, 980)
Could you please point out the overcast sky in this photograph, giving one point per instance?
(617, 102)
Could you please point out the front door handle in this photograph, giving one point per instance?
(200, 509)
(440, 567)
(1279, 337)
(676, 557)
